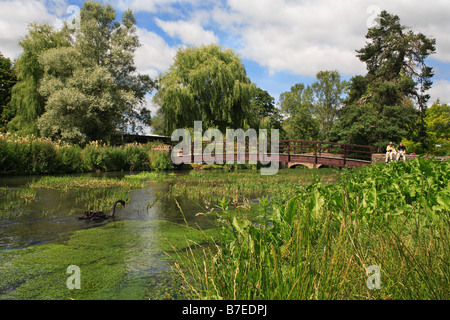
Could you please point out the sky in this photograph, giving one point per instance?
(280, 42)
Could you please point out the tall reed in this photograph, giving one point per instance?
(33, 155)
(320, 243)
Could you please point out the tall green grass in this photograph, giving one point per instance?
(319, 243)
(241, 185)
(31, 155)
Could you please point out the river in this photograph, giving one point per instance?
(123, 258)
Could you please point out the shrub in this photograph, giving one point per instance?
(94, 156)
(31, 155)
(70, 159)
(136, 157)
(160, 160)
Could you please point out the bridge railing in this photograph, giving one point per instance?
(326, 149)
(291, 148)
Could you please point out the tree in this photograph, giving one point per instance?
(207, 84)
(368, 125)
(264, 112)
(7, 80)
(297, 107)
(327, 98)
(91, 88)
(27, 104)
(380, 105)
(395, 53)
(157, 123)
(437, 120)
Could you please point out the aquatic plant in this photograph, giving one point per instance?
(12, 200)
(108, 256)
(319, 243)
(214, 185)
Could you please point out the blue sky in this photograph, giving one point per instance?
(280, 42)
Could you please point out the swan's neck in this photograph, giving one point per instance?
(113, 210)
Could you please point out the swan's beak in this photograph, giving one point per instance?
(124, 206)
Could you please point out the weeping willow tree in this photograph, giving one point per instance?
(26, 102)
(205, 84)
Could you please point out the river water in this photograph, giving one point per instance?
(123, 258)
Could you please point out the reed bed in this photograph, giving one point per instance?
(320, 243)
(34, 155)
(242, 185)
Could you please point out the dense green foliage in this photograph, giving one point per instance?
(206, 84)
(300, 123)
(91, 88)
(7, 80)
(265, 115)
(312, 110)
(80, 84)
(30, 155)
(319, 243)
(389, 102)
(437, 122)
(27, 104)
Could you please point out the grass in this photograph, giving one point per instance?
(11, 200)
(319, 243)
(239, 186)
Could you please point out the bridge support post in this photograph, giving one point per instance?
(345, 153)
(289, 151)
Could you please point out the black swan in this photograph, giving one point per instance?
(100, 215)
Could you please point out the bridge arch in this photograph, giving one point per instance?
(292, 165)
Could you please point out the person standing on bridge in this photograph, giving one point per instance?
(390, 151)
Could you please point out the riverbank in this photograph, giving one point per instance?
(33, 156)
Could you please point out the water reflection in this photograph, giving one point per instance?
(131, 245)
(54, 213)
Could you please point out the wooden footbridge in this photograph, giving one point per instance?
(290, 153)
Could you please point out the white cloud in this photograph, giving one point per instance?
(16, 15)
(428, 17)
(155, 55)
(189, 32)
(440, 90)
(299, 37)
(305, 37)
(152, 6)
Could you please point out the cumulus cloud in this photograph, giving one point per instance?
(16, 15)
(189, 32)
(300, 37)
(440, 90)
(155, 55)
(305, 37)
(152, 6)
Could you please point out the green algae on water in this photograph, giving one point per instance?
(110, 257)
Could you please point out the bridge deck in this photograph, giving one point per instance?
(287, 151)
